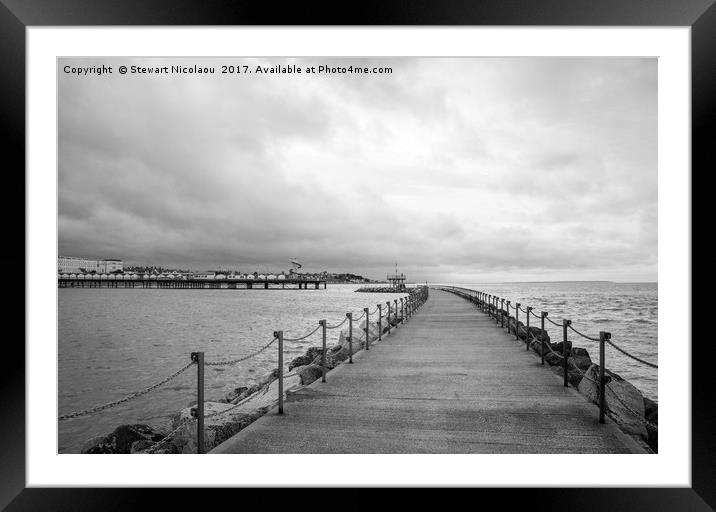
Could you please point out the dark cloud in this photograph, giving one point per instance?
(457, 168)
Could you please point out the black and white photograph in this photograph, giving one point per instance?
(343, 255)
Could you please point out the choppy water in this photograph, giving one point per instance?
(113, 342)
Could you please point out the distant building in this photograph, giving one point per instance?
(72, 264)
(109, 266)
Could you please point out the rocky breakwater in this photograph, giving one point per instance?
(635, 414)
(227, 415)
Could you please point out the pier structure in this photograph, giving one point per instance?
(113, 281)
(450, 381)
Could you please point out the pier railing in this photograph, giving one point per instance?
(395, 313)
(494, 306)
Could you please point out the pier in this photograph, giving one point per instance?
(193, 284)
(451, 380)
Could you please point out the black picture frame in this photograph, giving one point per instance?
(17, 15)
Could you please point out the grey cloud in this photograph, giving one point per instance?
(453, 167)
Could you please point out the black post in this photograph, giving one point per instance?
(527, 337)
(198, 411)
(387, 316)
(502, 314)
(350, 337)
(380, 322)
(603, 337)
(322, 323)
(517, 320)
(565, 323)
(544, 314)
(367, 339)
(279, 335)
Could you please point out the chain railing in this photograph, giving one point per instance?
(127, 398)
(495, 307)
(409, 304)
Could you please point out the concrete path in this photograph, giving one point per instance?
(448, 381)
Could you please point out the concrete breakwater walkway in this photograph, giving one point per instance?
(449, 381)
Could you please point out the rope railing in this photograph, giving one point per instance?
(335, 326)
(408, 305)
(127, 398)
(232, 362)
(652, 365)
(301, 338)
(491, 305)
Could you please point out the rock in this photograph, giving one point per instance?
(538, 334)
(300, 361)
(184, 440)
(310, 373)
(625, 403)
(651, 413)
(521, 330)
(557, 347)
(579, 357)
(236, 394)
(122, 438)
(141, 445)
(209, 408)
(552, 359)
(91, 443)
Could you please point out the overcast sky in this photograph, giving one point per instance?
(466, 170)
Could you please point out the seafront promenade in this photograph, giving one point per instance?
(449, 381)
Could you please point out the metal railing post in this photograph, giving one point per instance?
(380, 322)
(565, 323)
(198, 411)
(544, 314)
(517, 320)
(387, 316)
(527, 335)
(279, 336)
(502, 313)
(350, 337)
(603, 337)
(396, 312)
(322, 323)
(367, 331)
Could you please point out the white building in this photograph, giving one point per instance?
(72, 264)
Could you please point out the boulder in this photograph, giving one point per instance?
(579, 357)
(122, 439)
(333, 358)
(521, 331)
(209, 408)
(557, 347)
(141, 445)
(552, 359)
(625, 403)
(184, 440)
(91, 443)
(310, 373)
(538, 334)
(236, 394)
(358, 341)
(300, 361)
